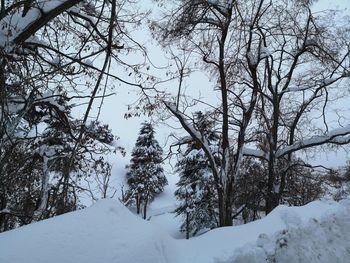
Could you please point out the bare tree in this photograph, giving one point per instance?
(208, 27)
(260, 52)
(303, 63)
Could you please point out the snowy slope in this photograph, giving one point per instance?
(107, 232)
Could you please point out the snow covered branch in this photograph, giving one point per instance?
(194, 134)
(39, 16)
(338, 136)
(254, 153)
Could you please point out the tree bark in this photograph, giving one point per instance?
(272, 201)
(44, 193)
(187, 226)
(225, 205)
(145, 208)
(138, 204)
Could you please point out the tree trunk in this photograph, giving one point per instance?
(145, 208)
(187, 226)
(272, 199)
(225, 206)
(225, 215)
(138, 204)
(2, 215)
(44, 193)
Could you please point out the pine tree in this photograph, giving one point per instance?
(145, 175)
(196, 193)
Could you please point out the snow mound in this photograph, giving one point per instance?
(262, 240)
(323, 237)
(107, 232)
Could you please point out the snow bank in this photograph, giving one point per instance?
(318, 232)
(107, 232)
(260, 241)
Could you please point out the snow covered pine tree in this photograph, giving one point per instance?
(145, 175)
(195, 193)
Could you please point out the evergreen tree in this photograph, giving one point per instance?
(196, 190)
(250, 191)
(196, 193)
(145, 175)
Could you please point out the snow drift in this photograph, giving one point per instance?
(107, 232)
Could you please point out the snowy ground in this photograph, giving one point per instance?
(108, 232)
(162, 208)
